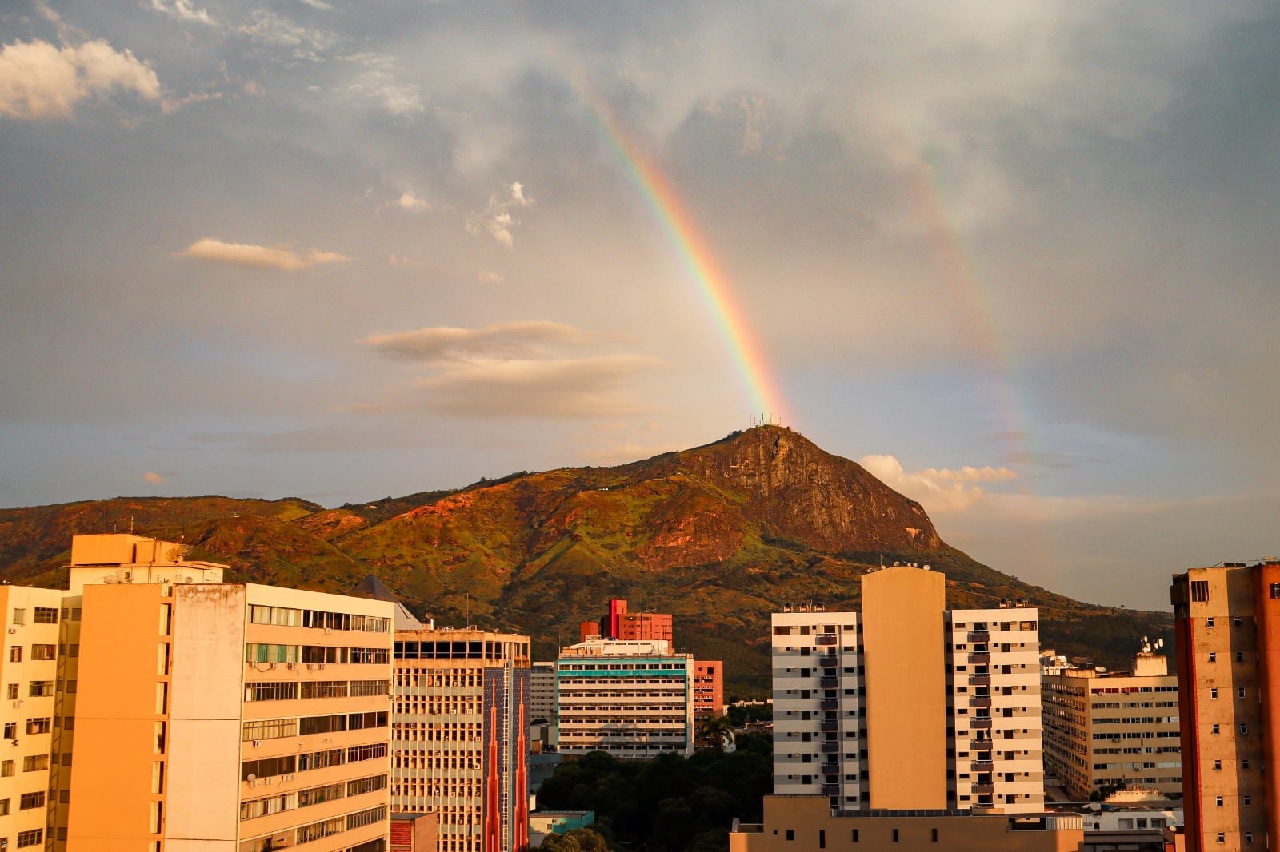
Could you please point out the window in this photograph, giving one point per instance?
(35, 762)
(11, 691)
(1240, 692)
(44, 652)
(791, 834)
(34, 837)
(1200, 591)
(40, 688)
(1219, 802)
(15, 653)
(19, 617)
(37, 726)
(1248, 837)
(46, 615)
(1239, 656)
(1208, 622)
(1235, 622)
(1213, 656)
(1244, 728)
(1222, 837)
(895, 835)
(1248, 800)
(31, 800)
(1217, 764)
(1213, 692)
(10, 730)
(1244, 763)
(1275, 591)
(4, 807)
(1215, 728)
(6, 768)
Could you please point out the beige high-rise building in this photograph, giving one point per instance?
(1113, 729)
(460, 734)
(28, 671)
(907, 706)
(203, 715)
(1227, 626)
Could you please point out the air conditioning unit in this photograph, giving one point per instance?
(13, 742)
(257, 743)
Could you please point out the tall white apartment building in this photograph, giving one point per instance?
(995, 697)
(633, 698)
(907, 706)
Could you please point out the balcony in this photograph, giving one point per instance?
(829, 682)
(825, 639)
(830, 726)
(980, 701)
(980, 745)
(982, 765)
(831, 789)
(828, 661)
(830, 769)
(831, 704)
(979, 636)
(979, 680)
(983, 658)
(980, 722)
(984, 789)
(831, 748)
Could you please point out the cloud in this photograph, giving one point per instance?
(260, 257)
(496, 219)
(581, 387)
(511, 340)
(317, 4)
(154, 478)
(379, 82)
(937, 489)
(272, 30)
(182, 10)
(39, 80)
(411, 202)
(484, 276)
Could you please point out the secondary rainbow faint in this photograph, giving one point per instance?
(696, 253)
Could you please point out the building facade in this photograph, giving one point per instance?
(459, 736)
(631, 699)
(32, 620)
(1113, 729)
(1227, 629)
(205, 715)
(542, 692)
(708, 688)
(906, 706)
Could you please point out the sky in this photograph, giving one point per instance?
(1018, 259)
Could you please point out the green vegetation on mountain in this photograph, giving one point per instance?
(720, 536)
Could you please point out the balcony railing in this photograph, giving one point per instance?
(828, 661)
(979, 680)
(982, 722)
(979, 636)
(982, 765)
(982, 657)
(830, 726)
(831, 704)
(980, 701)
(825, 639)
(831, 748)
(829, 682)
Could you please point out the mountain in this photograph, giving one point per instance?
(720, 536)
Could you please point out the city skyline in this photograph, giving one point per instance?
(1015, 261)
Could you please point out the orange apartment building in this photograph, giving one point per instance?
(197, 714)
(1227, 629)
(708, 688)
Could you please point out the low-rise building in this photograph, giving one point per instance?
(631, 699)
(1110, 730)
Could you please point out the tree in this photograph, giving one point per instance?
(715, 731)
(577, 840)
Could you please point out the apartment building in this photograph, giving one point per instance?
(632, 699)
(1113, 729)
(459, 736)
(996, 702)
(1227, 630)
(619, 623)
(708, 688)
(906, 706)
(202, 715)
(28, 671)
(542, 692)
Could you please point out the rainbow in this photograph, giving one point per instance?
(697, 256)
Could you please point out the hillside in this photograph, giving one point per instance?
(719, 535)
